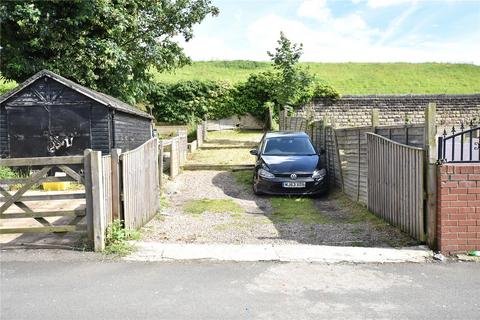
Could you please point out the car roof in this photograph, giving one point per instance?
(277, 134)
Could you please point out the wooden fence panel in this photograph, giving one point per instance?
(352, 151)
(410, 134)
(395, 184)
(140, 184)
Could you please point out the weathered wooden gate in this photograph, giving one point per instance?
(140, 184)
(15, 205)
(396, 184)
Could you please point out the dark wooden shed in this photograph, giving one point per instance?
(49, 115)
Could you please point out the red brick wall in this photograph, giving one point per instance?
(458, 211)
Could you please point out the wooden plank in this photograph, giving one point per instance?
(74, 228)
(41, 161)
(87, 170)
(97, 201)
(40, 197)
(67, 213)
(42, 180)
(116, 183)
(25, 208)
(70, 172)
(32, 180)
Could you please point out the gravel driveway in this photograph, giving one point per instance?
(258, 223)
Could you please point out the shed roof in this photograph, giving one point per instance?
(102, 98)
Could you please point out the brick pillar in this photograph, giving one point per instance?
(458, 208)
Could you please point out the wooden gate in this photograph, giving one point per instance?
(17, 204)
(141, 190)
(396, 184)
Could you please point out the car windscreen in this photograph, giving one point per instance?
(288, 146)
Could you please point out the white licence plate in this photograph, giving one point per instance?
(294, 184)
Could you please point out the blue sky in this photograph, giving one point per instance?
(343, 30)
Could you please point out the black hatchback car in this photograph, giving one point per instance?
(288, 164)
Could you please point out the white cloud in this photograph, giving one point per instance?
(335, 39)
(397, 22)
(316, 9)
(350, 39)
(210, 48)
(387, 3)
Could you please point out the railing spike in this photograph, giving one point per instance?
(462, 126)
(444, 132)
(453, 130)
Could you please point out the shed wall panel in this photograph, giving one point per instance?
(130, 131)
(3, 133)
(100, 129)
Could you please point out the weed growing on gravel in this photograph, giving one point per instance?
(164, 203)
(117, 237)
(197, 207)
(360, 214)
(243, 178)
(297, 209)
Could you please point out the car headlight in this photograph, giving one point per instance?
(319, 174)
(265, 174)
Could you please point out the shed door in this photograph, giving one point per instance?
(69, 130)
(41, 131)
(28, 131)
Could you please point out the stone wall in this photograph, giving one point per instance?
(355, 111)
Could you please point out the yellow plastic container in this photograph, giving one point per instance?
(55, 186)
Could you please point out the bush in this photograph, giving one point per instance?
(117, 237)
(189, 102)
(7, 173)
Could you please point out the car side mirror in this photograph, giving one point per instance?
(254, 152)
(322, 152)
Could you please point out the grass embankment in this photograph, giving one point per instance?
(351, 78)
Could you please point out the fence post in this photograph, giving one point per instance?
(199, 135)
(160, 164)
(97, 198)
(375, 119)
(431, 172)
(116, 184)
(204, 134)
(270, 117)
(173, 158)
(88, 195)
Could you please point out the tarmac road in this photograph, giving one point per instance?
(96, 289)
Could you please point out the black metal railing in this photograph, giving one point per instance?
(461, 146)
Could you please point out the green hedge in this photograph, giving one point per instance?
(189, 101)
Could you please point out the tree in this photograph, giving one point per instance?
(296, 86)
(109, 46)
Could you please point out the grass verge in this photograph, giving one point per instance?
(197, 207)
(117, 237)
(297, 209)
